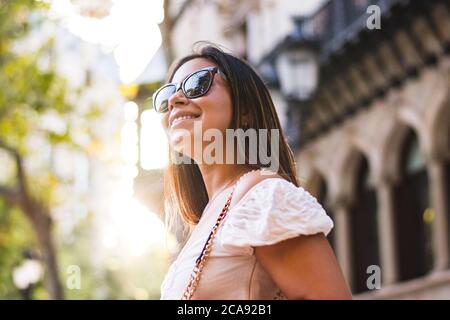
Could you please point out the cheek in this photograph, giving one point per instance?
(219, 115)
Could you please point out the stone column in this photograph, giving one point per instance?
(343, 240)
(386, 232)
(436, 174)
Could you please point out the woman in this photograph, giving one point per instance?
(256, 234)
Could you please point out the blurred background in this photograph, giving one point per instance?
(361, 88)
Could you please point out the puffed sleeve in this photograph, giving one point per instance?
(272, 211)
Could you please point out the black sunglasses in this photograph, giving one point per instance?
(195, 85)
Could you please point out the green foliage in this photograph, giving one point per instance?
(15, 20)
(27, 92)
(15, 238)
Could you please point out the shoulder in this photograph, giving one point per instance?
(269, 209)
(253, 181)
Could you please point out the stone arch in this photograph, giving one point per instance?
(387, 157)
(311, 170)
(318, 186)
(438, 162)
(426, 112)
(345, 169)
(438, 132)
(315, 181)
(352, 187)
(390, 151)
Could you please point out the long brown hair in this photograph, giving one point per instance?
(184, 190)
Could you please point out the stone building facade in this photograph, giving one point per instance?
(375, 149)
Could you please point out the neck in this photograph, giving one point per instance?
(216, 176)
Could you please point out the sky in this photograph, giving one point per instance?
(130, 31)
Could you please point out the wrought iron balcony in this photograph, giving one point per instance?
(338, 22)
(356, 64)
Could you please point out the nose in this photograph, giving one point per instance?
(177, 98)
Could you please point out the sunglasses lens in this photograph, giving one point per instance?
(161, 100)
(197, 84)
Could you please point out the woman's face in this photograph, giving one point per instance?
(213, 110)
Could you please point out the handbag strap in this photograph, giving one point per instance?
(204, 254)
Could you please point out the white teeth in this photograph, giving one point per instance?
(182, 118)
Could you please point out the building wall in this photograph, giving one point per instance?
(202, 20)
(271, 21)
(89, 174)
(422, 104)
(267, 22)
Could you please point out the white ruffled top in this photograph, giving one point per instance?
(273, 210)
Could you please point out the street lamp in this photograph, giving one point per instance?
(298, 72)
(297, 62)
(297, 66)
(26, 275)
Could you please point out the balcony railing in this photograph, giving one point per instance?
(338, 21)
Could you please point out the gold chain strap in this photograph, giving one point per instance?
(201, 260)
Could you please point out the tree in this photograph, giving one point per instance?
(28, 92)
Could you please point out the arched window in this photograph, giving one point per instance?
(364, 227)
(413, 214)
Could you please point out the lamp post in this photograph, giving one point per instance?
(297, 66)
(26, 275)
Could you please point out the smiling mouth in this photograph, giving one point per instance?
(182, 119)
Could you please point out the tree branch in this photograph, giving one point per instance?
(11, 195)
(19, 163)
